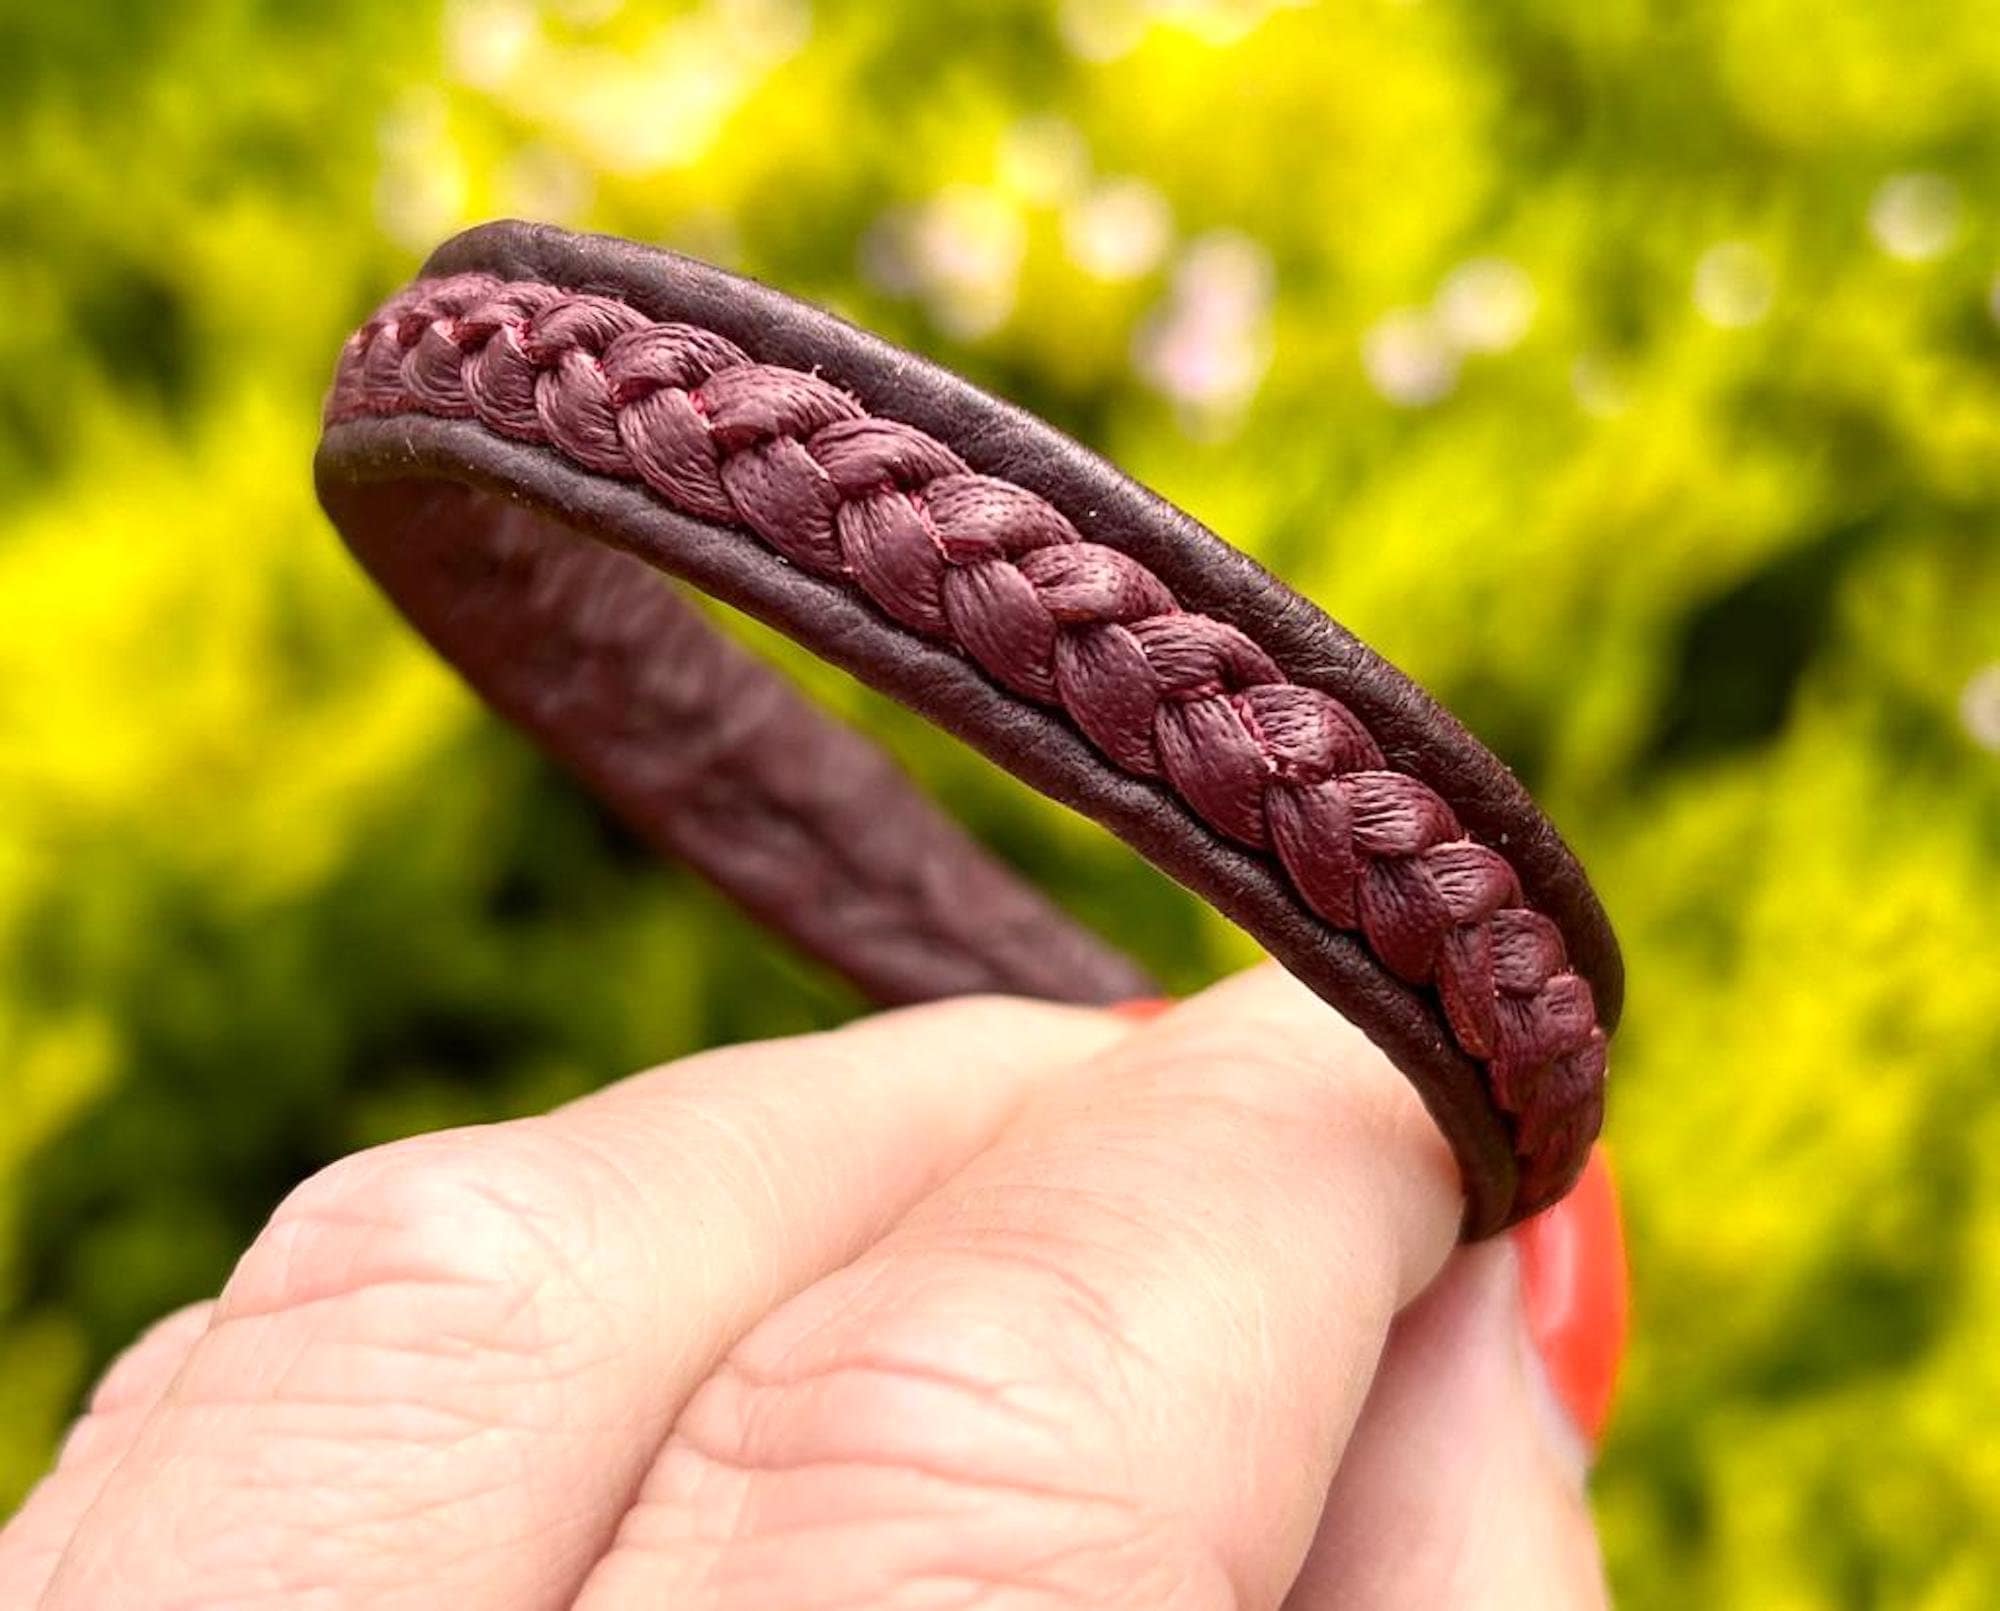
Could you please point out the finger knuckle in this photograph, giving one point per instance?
(137, 1375)
(486, 1216)
(947, 1447)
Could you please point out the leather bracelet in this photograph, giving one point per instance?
(517, 443)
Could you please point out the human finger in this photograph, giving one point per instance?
(1463, 1485)
(440, 1373)
(34, 1537)
(1112, 1362)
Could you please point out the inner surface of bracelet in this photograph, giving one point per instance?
(715, 759)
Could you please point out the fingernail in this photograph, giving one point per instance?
(1575, 1294)
(1141, 1008)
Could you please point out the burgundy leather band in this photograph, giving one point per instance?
(535, 388)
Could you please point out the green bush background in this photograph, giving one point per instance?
(1687, 495)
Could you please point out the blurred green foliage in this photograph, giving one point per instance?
(1627, 369)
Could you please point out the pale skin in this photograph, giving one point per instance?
(988, 1304)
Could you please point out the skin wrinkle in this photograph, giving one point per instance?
(481, 1342)
(277, 1246)
(720, 1458)
(494, 1333)
(340, 1539)
(1134, 1554)
(918, 1347)
(425, 1241)
(1145, 705)
(989, 1492)
(997, 1393)
(1169, 1249)
(737, 1454)
(948, 1279)
(208, 1398)
(422, 1425)
(1038, 1255)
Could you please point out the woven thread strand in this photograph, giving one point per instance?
(998, 572)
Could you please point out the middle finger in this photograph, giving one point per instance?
(1110, 1363)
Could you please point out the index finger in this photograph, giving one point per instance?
(439, 1374)
(1112, 1362)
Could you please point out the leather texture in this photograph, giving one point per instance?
(477, 538)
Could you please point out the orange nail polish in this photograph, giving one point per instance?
(1575, 1290)
(1141, 1008)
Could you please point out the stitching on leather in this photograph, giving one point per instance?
(995, 570)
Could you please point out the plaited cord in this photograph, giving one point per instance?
(996, 571)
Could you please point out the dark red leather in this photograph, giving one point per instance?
(477, 537)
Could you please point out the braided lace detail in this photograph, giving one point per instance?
(998, 572)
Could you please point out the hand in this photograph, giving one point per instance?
(987, 1303)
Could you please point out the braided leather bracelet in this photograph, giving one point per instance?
(519, 441)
